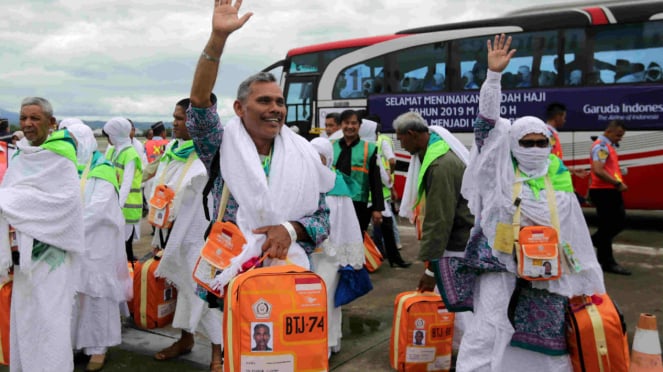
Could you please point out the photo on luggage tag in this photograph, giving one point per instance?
(168, 294)
(419, 338)
(261, 336)
(540, 268)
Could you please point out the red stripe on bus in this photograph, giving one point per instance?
(352, 43)
(639, 155)
(597, 15)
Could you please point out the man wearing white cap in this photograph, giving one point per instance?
(129, 171)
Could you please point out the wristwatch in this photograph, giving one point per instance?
(618, 184)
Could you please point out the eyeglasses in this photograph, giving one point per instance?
(531, 143)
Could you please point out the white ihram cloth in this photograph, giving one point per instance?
(410, 190)
(40, 197)
(344, 246)
(296, 180)
(183, 247)
(101, 275)
(345, 241)
(488, 187)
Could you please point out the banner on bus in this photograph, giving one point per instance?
(588, 108)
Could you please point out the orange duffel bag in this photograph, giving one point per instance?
(372, 254)
(596, 335)
(130, 303)
(275, 319)
(154, 298)
(5, 310)
(421, 333)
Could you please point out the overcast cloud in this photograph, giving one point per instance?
(103, 58)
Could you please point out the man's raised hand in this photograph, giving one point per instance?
(499, 54)
(226, 19)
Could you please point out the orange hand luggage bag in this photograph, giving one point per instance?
(154, 298)
(421, 334)
(275, 319)
(371, 254)
(596, 335)
(5, 310)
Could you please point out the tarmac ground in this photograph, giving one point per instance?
(367, 321)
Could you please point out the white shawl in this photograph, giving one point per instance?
(410, 190)
(40, 197)
(186, 236)
(345, 241)
(296, 180)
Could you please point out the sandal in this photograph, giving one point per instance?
(216, 366)
(173, 351)
(96, 363)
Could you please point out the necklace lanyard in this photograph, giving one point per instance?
(267, 162)
(84, 178)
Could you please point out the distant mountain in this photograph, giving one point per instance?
(13, 120)
(11, 116)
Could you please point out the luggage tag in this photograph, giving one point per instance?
(160, 205)
(13, 241)
(569, 255)
(538, 253)
(13, 245)
(224, 242)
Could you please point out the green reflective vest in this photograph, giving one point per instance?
(361, 153)
(133, 207)
(386, 191)
(62, 143)
(102, 169)
(436, 147)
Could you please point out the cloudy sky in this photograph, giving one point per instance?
(103, 58)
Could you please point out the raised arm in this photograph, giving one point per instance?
(225, 21)
(490, 95)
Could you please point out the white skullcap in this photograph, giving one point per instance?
(324, 147)
(65, 123)
(118, 130)
(86, 143)
(367, 130)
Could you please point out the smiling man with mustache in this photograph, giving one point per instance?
(275, 178)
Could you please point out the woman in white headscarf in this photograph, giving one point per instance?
(102, 278)
(344, 246)
(503, 156)
(127, 163)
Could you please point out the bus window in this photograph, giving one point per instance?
(572, 62)
(298, 101)
(315, 62)
(631, 53)
(360, 80)
(533, 65)
(422, 68)
(472, 54)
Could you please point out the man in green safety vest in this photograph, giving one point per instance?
(358, 159)
(129, 171)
